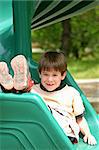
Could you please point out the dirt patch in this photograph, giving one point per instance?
(91, 90)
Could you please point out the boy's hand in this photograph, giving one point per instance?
(90, 139)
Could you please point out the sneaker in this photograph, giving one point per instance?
(6, 79)
(21, 72)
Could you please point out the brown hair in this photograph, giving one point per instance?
(55, 60)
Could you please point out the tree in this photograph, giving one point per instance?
(72, 36)
(65, 37)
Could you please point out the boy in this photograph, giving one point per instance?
(64, 101)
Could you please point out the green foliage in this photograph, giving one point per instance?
(84, 34)
(85, 31)
(49, 37)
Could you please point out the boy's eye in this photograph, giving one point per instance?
(55, 75)
(45, 74)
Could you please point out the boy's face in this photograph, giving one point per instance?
(51, 79)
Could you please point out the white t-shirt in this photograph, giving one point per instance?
(65, 104)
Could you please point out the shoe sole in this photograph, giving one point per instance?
(20, 68)
(6, 79)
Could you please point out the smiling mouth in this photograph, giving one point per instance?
(49, 84)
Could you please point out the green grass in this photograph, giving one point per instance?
(87, 68)
(84, 69)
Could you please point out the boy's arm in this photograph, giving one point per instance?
(88, 137)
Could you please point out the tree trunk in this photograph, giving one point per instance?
(65, 39)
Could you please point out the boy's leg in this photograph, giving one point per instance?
(30, 84)
(21, 72)
(6, 79)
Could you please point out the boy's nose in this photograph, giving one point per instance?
(50, 78)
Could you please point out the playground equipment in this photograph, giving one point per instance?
(25, 121)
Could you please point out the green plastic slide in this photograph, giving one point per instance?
(25, 121)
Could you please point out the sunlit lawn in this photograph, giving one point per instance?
(87, 68)
(84, 69)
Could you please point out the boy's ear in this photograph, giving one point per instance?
(64, 75)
